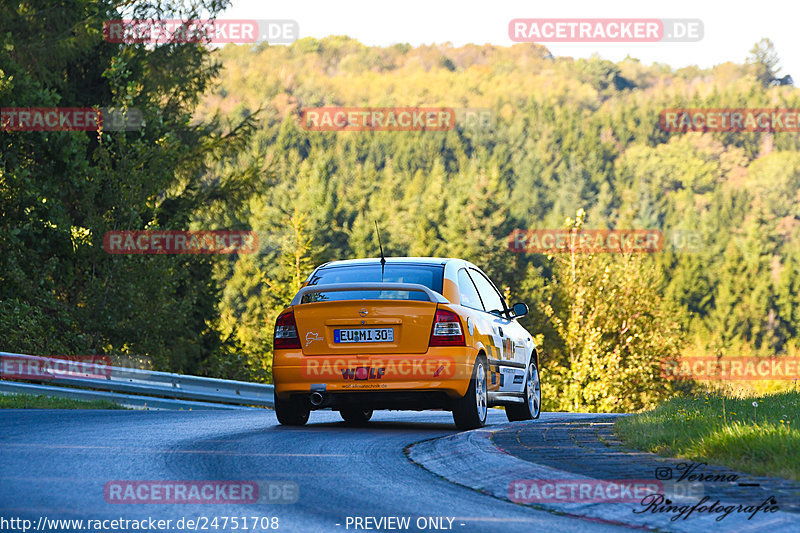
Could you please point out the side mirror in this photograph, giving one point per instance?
(519, 309)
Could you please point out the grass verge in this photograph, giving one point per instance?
(761, 439)
(30, 401)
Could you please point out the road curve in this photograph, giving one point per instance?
(57, 463)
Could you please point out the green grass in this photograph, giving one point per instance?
(29, 401)
(729, 431)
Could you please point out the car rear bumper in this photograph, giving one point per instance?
(443, 371)
(384, 399)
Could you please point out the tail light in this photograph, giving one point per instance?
(286, 332)
(446, 329)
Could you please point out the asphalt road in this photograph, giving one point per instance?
(55, 464)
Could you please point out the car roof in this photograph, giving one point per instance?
(372, 260)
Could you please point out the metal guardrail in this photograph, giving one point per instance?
(126, 400)
(132, 381)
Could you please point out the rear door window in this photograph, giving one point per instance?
(492, 301)
(468, 292)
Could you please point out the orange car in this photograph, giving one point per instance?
(406, 334)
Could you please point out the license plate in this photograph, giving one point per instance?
(363, 335)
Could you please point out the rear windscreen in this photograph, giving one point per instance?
(428, 275)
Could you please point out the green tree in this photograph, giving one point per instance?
(60, 192)
(614, 332)
(765, 60)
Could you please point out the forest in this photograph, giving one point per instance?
(540, 142)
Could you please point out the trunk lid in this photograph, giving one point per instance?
(349, 327)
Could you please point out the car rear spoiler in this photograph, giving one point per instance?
(339, 287)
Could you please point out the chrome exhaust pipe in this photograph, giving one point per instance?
(316, 399)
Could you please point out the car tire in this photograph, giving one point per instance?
(471, 410)
(291, 412)
(356, 417)
(532, 407)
